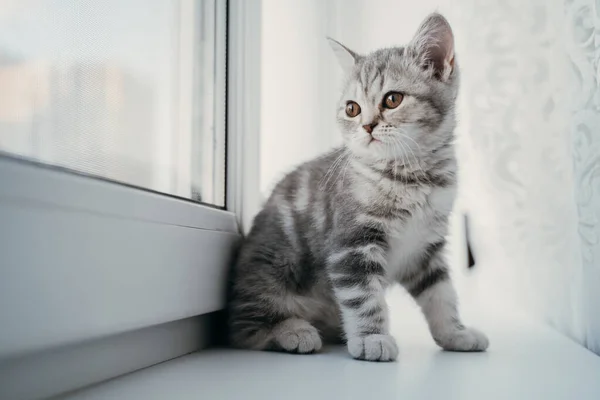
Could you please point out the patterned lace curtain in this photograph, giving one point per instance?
(530, 146)
(584, 30)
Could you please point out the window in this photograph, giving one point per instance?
(116, 222)
(131, 91)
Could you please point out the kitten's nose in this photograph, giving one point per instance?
(369, 127)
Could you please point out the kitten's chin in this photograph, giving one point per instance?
(371, 151)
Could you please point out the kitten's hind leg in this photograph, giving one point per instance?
(296, 335)
(292, 335)
(433, 290)
(259, 329)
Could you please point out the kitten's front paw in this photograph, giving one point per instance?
(373, 348)
(467, 339)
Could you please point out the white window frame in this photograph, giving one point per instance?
(243, 110)
(88, 265)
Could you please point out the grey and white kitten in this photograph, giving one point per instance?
(338, 230)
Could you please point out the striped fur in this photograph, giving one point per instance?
(338, 230)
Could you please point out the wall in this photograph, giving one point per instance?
(298, 85)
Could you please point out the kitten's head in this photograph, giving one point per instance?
(399, 102)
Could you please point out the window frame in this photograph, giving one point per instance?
(84, 259)
(243, 110)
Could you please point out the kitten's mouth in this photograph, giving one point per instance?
(372, 139)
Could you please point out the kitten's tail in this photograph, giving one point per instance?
(251, 333)
(250, 323)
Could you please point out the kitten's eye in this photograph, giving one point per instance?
(392, 100)
(352, 109)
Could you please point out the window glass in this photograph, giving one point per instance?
(128, 90)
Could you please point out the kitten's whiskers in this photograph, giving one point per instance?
(420, 167)
(330, 172)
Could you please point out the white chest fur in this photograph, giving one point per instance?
(427, 224)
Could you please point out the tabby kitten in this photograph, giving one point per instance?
(338, 230)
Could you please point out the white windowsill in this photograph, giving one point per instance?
(86, 258)
(525, 361)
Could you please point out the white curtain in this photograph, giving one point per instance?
(584, 34)
(531, 155)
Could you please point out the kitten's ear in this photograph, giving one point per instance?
(346, 57)
(433, 45)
